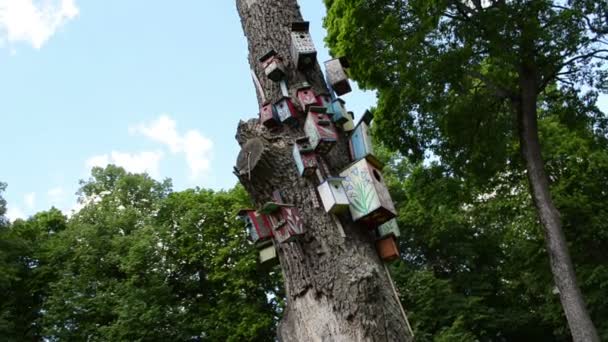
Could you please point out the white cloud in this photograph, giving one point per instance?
(13, 213)
(33, 21)
(56, 192)
(30, 200)
(132, 162)
(196, 148)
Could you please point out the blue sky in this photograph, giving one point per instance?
(155, 86)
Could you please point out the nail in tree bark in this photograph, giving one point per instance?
(337, 287)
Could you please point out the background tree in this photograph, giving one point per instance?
(463, 78)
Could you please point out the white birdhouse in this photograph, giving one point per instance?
(333, 196)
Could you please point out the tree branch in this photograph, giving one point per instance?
(499, 91)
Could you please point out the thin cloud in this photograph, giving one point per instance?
(30, 200)
(146, 161)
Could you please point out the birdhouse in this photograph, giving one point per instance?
(349, 125)
(304, 157)
(370, 201)
(340, 116)
(306, 97)
(286, 112)
(336, 75)
(333, 195)
(273, 66)
(360, 143)
(257, 225)
(320, 130)
(284, 219)
(268, 116)
(387, 249)
(324, 100)
(390, 228)
(268, 256)
(303, 49)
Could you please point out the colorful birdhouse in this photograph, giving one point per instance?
(286, 112)
(273, 66)
(324, 100)
(370, 201)
(303, 49)
(257, 225)
(306, 97)
(284, 219)
(268, 256)
(304, 157)
(336, 75)
(320, 130)
(268, 116)
(340, 116)
(387, 249)
(390, 228)
(349, 125)
(333, 195)
(361, 141)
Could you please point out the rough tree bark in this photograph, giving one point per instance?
(337, 287)
(579, 321)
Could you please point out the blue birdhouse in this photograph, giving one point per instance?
(340, 116)
(361, 141)
(286, 112)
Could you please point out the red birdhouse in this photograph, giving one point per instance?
(268, 116)
(284, 218)
(306, 97)
(320, 130)
(257, 225)
(273, 66)
(305, 157)
(387, 248)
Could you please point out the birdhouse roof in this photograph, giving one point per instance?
(300, 26)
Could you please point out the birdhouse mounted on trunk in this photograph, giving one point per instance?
(268, 116)
(370, 201)
(324, 100)
(284, 219)
(390, 228)
(256, 224)
(333, 195)
(286, 112)
(320, 130)
(273, 66)
(336, 75)
(268, 256)
(303, 49)
(340, 116)
(360, 143)
(304, 157)
(349, 125)
(387, 249)
(306, 97)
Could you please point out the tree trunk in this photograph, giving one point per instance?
(579, 321)
(337, 288)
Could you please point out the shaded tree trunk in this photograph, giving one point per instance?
(337, 287)
(579, 321)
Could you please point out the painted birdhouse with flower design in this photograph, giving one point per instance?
(335, 70)
(387, 248)
(303, 49)
(320, 130)
(286, 112)
(389, 228)
(360, 142)
(257, 225)
(273, 66)
(370, 201)
(305, 157)
(268, 116)
(333, 196)
(340, 116)
(284, 218)
(306, 97)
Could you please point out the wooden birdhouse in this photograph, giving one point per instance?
(360, 143)
(320, 130)
(257, 225)
(268, 116)
(306, 96)
(390, 228)
(387, 248)
(286, 112)
(304, 157)
(336, 75)
(303, 49)
(324, 100)
(273, 66)
(370, 201)
(284, 218)
(340, 116)
(268, 256)
(333, 195)
(349, 125)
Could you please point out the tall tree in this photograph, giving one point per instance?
(337, 288)
(461, 78)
